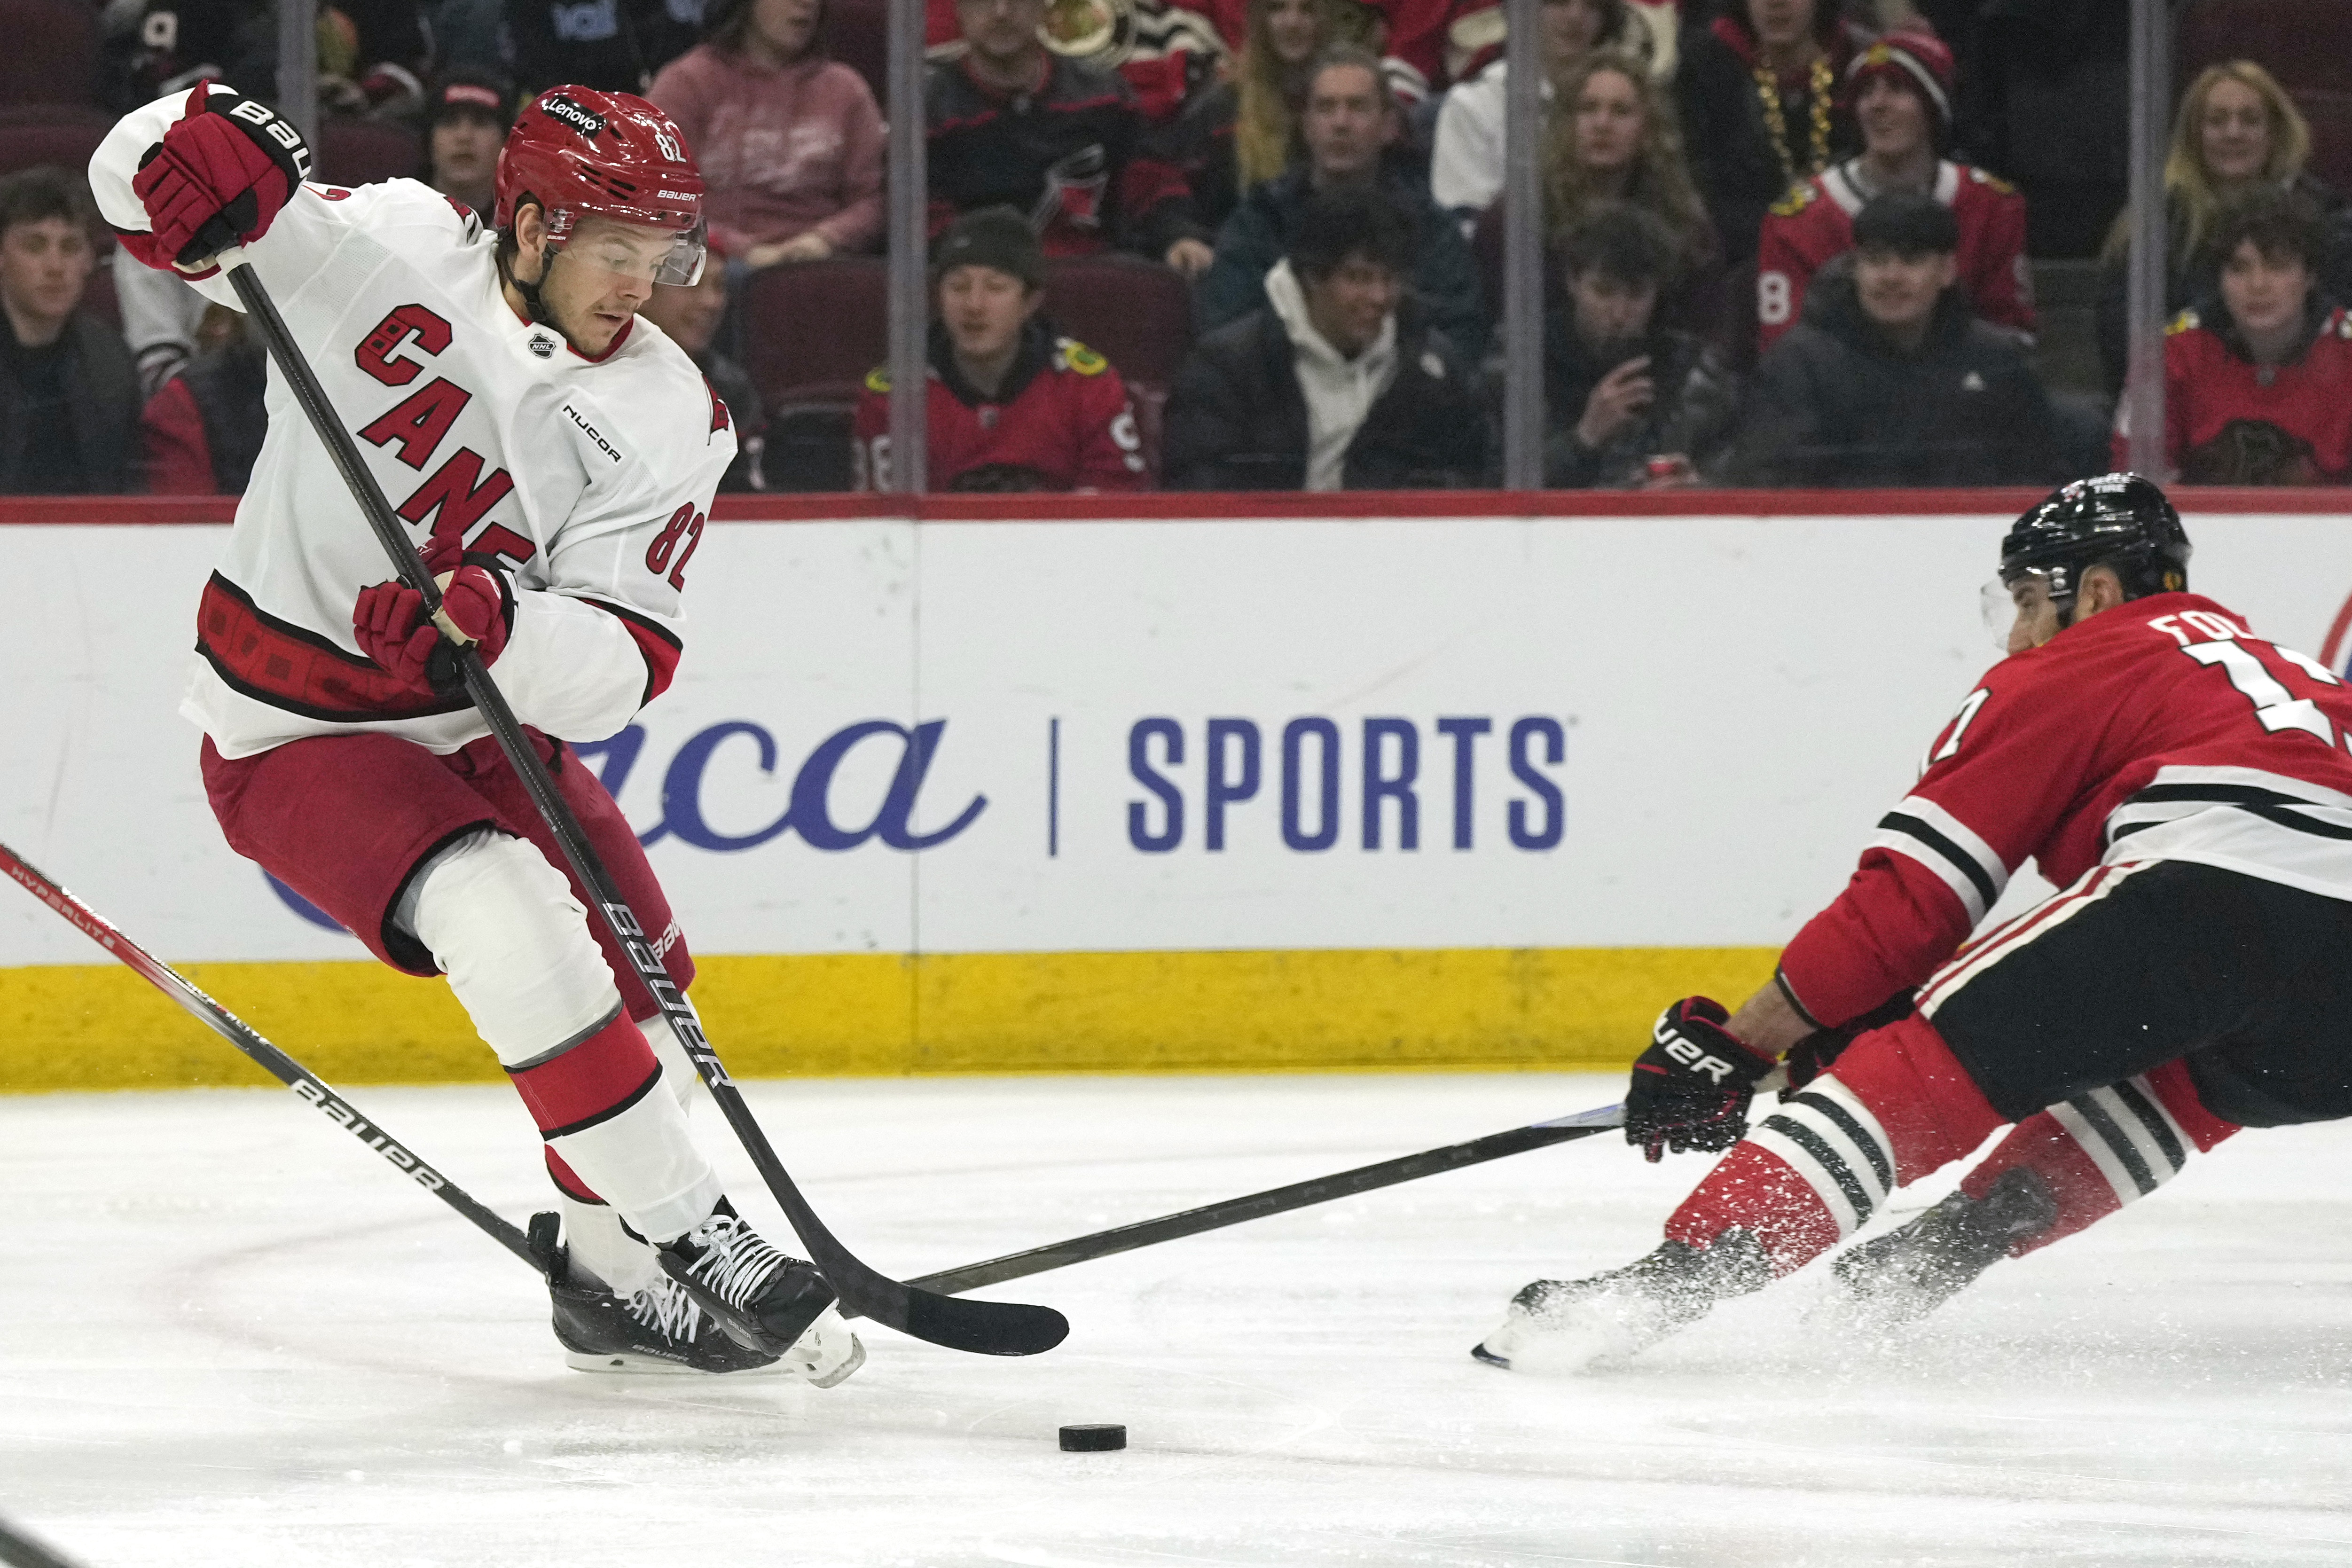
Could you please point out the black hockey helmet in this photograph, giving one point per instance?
(2119, 521)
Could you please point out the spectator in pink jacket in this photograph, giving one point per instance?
(789, 140)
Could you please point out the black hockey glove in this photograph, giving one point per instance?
(1691, 1087)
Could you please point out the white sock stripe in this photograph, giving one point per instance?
(1898, 841)
(1988, 861)
(2035, 924)
(1801, 1160)
(1866, 1164)
(2133, 1132)
(2155, 1102)
(2090, 1140)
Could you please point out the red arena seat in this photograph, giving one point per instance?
(810, 334)
(858, 34)
(31, 135)
(52, 52)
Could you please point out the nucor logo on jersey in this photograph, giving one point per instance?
(587, 121)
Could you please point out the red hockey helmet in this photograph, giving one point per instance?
(581, 153)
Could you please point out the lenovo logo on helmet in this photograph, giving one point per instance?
(587, 121)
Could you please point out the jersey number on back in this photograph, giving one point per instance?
(684, 523)
(2277, 708)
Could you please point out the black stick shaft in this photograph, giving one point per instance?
(993, 1328)
(308, 1086)
(1275, 1200)
(23, 1552)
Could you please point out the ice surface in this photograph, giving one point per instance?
(235, 1340)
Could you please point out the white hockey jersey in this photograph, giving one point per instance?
(591, 479)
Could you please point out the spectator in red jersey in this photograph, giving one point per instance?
(2237, 131)
(1013, 124)
(68, 393)
(469, 114)
(1902, 97)
(1012, 406)
(1167, 52)
(203, 429)
(2258, 377)
(1890, 381)
(1757, 88)
(1345, 129)
(690, 315)
(789, 143)
(1339, 382)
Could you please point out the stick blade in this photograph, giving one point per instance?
(983, 1328)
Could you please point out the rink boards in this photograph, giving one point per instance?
(1090, 791)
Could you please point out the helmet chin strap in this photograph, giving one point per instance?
(534, 303)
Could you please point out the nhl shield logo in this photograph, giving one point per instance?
(543, 345)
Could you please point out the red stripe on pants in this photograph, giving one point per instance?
(590, 1078)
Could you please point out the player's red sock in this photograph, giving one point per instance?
(2102, 1150)
(567, 1180)
(1896, 1106)
(591, 1082)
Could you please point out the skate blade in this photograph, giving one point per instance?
(840, 1375)
(1480, 1353)
(654, 1367)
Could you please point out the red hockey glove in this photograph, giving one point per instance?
(390, 624)
(1691, 1087)
(218, 178)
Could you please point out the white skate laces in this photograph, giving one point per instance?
(732, 1261)
(665, 1307)
(763, 1298)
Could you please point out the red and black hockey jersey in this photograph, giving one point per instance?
(1815, 222)
(1061, 421)
(1071, 155)
(1164, 51)
(2161, 729)
(2228, 420)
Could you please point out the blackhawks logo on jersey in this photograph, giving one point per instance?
(877, 380)
(1078, 359)
(1798, 199)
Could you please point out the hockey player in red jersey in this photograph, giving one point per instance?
(556, 458)
(1012, 404)
(2187, 785)
(1901, 87)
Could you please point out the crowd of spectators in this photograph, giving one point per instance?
(1779, 246)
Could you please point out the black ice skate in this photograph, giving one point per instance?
(1566, 1325)
(765, 1299)
(658, 1329)
(1896, 1279)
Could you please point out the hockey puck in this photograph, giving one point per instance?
(1099, 1439)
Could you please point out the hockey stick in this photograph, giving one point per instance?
(992, 1328)
(307, 1087)
(23, 1552)
(1275, 1200)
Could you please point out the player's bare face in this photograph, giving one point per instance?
(1294, 28)
(1609, 122)
(603, 278)
(2265, 294)
(2234, 133)
(44, 266)
(1893, 119)
(2034, 614)
(985, 311)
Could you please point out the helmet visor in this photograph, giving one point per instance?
(635, 250)
(2017, 600)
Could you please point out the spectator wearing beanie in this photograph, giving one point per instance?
(1890, 380)
(1757, 88)
(1344, 127)
(1012, 404)
(790, 143)
(1633, 405)
(2258, 376)
(1011, 123)
(468, 115)
(69, 394)
(1901, 90)
(1339, 382)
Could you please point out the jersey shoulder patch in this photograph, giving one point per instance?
(2185, 321)
(1991, 182)
(719, 418)
(1795, 200)
(1078, 359)
(877, 380)
(2340, 323)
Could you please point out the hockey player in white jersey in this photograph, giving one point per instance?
(555, 457)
